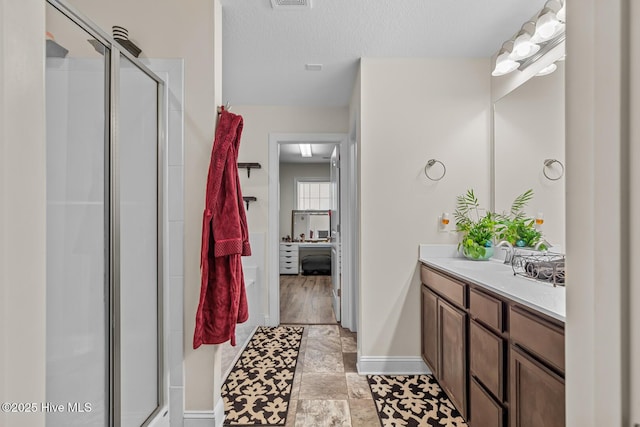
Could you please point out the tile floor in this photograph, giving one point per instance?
(327, 390)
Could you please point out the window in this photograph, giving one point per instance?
(313, 195)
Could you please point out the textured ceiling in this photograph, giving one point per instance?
(265, 50)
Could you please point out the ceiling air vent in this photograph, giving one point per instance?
(291, 4)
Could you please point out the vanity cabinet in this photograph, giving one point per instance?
(444, 335)
(502, 364)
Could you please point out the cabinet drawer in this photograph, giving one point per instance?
(288, 263)
(287, 256)
(538, 335)
(448, 288)
(487, 309)
(484, 412)
(487, 358)
(288, 270)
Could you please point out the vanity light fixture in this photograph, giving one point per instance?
(305, 150)
(548, 25)
(540, 34)
(523, 47)
(504, 63)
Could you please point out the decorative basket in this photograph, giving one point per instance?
(545, 267)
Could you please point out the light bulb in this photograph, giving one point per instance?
(523, 47)
(504, 65)
(547, 27)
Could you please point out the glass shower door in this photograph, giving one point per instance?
(105, 348)
(77, 84)
(139, 257)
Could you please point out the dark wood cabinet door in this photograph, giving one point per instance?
(430, 329)
(486, 358)
(536, 393)
(483, 410)
(452, 369)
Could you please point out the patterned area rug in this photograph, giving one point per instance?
(258, 388)
(412, 400)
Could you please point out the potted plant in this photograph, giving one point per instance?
(478, 230)
(515, 227)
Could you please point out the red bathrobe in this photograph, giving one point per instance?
(225, 238)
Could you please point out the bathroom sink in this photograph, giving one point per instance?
(492, 265)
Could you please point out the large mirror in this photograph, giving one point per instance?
(529, 147)
(310, 225)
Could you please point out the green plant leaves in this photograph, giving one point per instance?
(480, 231)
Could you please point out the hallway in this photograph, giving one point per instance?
(306, 300)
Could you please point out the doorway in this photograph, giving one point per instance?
(318, 243)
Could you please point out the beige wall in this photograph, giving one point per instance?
(22, 209)
(174, 29)
(634, 235)
(600, 185)
(413, 110)
(288, 173)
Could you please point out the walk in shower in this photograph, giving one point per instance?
(105, 157)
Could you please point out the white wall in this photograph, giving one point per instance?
(413, 110)
(529, 128)
(22, 209)
(288, 174)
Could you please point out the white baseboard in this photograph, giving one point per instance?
(389, 365)
(213, 418)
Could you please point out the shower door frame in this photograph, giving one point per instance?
(112, 218)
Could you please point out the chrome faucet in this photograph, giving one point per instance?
(509, 249)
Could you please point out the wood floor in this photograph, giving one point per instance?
(306, 299)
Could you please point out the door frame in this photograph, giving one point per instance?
(348, 222)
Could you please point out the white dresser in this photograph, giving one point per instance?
(289, 260)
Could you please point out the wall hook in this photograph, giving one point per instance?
(248, 199)
(429, 164)
(548, 163)
(249, 166)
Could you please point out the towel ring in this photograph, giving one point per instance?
(432, 162)
(547, 164)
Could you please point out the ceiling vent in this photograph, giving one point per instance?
(291, 4)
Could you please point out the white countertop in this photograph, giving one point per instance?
(498, 277)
